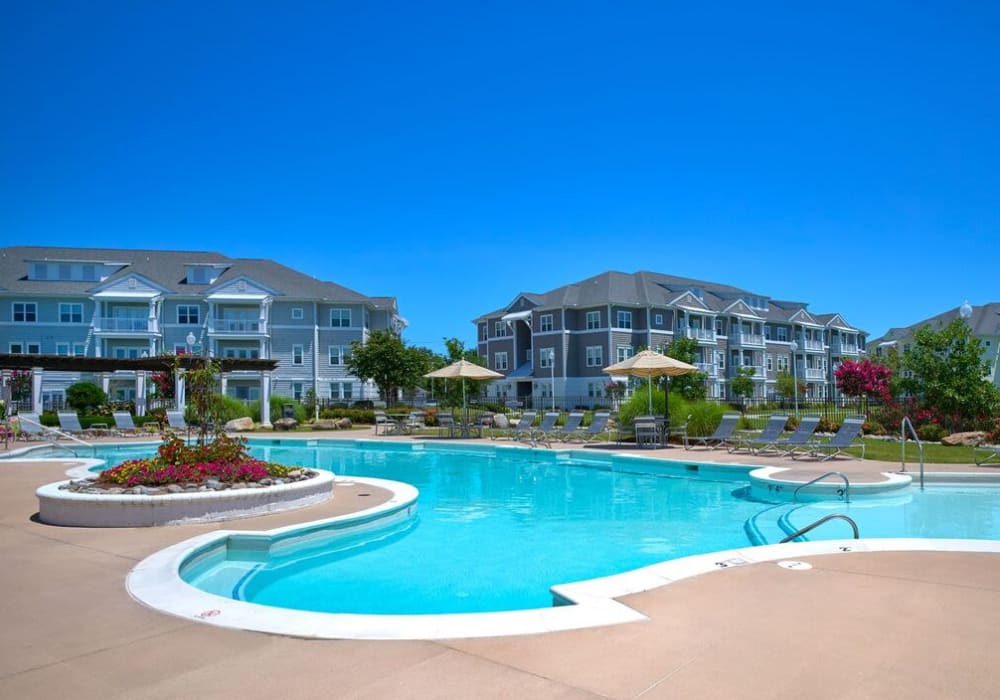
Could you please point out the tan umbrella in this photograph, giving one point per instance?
(649, 364)
(463, 369)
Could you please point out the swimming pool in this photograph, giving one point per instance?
(497, 527)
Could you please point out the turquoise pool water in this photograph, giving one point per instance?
(496, 529)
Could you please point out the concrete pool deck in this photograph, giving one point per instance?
(888, 624)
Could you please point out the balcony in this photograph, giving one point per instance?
(119, 324)
(234, 326)
(757, 374)
(707, 368)
(841, 348)
(814, 375)
(746, 339)
(812, 345)
(700, 334)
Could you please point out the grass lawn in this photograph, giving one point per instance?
(934, 453)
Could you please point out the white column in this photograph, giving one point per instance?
(223, 383)
(140, 393)
(105, 382)
(36, 389)
(265, 399)
(179, 398)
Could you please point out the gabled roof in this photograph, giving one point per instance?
(984, 321)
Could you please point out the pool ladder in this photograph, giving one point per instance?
(844, 492)
(907, 423)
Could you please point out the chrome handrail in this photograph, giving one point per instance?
(825, 518)
(47, 430)
(842, 475)
(906, 422)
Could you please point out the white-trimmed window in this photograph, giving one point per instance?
(297, 313)
(499, 329)
(66, 349)
(24, 312)
(486, 332)
(546, 322)
(769, 362)
(658, 319)
(25, 349)
(297, 391)
(782, 363)
(70, 313)
(188, 314)
(624, 352)
(546, 358)
(595, 356)
(722, 360)
(298, 351)
(500, 361)
(720, 326)
(340, 318)
(338, 354)
(125, 353)
(593, 320)
(241, 353)
(624, 319)
(781, 333)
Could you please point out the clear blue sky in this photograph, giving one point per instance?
(455, 154)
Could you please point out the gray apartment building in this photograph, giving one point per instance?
(559, 341)
(101, 302)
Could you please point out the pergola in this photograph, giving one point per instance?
(39, 364)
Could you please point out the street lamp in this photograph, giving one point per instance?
(552, 366)
(190, 340)
(794, 347)
(965, 311)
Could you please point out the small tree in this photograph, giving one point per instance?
(690, 386)
(85, 396)
(386, 360)
(785, 384)
(742, 384)
(863, 380)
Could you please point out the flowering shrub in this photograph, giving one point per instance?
(224, 459)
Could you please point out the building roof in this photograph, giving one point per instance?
(985, 320)
(168, 268)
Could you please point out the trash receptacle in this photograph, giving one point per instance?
(287, 410)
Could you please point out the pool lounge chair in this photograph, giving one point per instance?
(543, 432)
(69, 422)
(984, 454)
(524, 426)
(723, 434)
(802, 438)
(175, 419)
(569, 429)
(773, 429)
(31, 428)
(414, 422)
(598, 428)
(124, 425)
(847, 436)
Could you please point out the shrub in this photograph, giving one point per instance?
(276, 404)
(85, 396)
(827, 425)
(931, 432)
(357, 415)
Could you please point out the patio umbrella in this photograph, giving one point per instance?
(463, 369)
(649, 364)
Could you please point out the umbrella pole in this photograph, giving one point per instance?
(666, 402)
(649, 384)
(465, 410)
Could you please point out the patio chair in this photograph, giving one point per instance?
(175, 419)
(847, 436)
(681, 432)
(569, 429)
(124, 424)
(446, 423)
(598, 427)
(541, 433)
(773, 429)
(31, 428)
(984, 454)
(387, 423)
(523, 426)
(69, 422)
(415, 421)
(800, 439)
(723, 434)
(648, 430)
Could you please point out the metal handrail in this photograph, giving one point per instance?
(906, 422)
(46, 429)
(825, 518)
(842, 475)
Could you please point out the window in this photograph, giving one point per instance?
(782, 334)
(297, 352)
(41, 271)
(782, 363)
(125, 353)
(595, 356)
(658, 319)
(89, 273)
(624, 352)
(24, 312)
(722, 360)
(348, 389)
(499, 330)
(720, 327)
(593, 320)
(546, 358)
(769, 362)
(188, 315)
(624, 319)
(297, 313)
(338, 354)
(71, 313)
(297, 391)
(340, 318)
(242, 353)
(25, 349)
(546, 321)
(64, 272)
(486, 332)
(767, 332)
(500, 361)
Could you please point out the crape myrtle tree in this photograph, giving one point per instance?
(389, 362)
(863, 381)
(949, 376)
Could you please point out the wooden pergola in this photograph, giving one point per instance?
(39, 364)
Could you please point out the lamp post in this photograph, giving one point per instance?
(794, 347)
(190, 340)
(965, 311)
(552, 367)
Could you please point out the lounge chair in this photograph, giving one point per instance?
(415, 421)
(387, 423)
(723, 434)
(31, 428)
(524, 426)
(984, 454)
(598, 427)
(69, 422)
(569, 429)
(175, 419)
(681, 431)
(446, 423)
(847, 436)
(124, 423)
(543, 431)
(773, 429)
(800, 439)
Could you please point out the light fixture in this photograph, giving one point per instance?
(965, 310)
(794, 347)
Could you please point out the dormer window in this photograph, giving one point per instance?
(204, 274)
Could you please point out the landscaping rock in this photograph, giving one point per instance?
(174, 488)
(330, 423)
(971, 438)
(285, 424)
(239, 424)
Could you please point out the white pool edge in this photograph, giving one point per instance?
(156, 583)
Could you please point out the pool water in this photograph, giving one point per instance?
(495, 529)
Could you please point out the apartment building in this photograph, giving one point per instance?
(983, 322)
(559, 341)
(101, 302)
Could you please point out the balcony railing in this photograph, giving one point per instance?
(708, 368)
(232, 325)
(746, 339)
(812, 374)
(115, 324)
(699, 333)
(844, 348)
(757, 374)
(813, 345)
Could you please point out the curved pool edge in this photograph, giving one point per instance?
(156, 583)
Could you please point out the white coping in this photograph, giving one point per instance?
(156, 582)
(57, 506)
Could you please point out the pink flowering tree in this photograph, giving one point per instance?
(863, 380)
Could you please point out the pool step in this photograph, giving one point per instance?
(768, 526)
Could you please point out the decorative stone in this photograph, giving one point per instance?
(239, 425)
(174, 488)
(285, 424)
(295, 473)
(971, 438)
